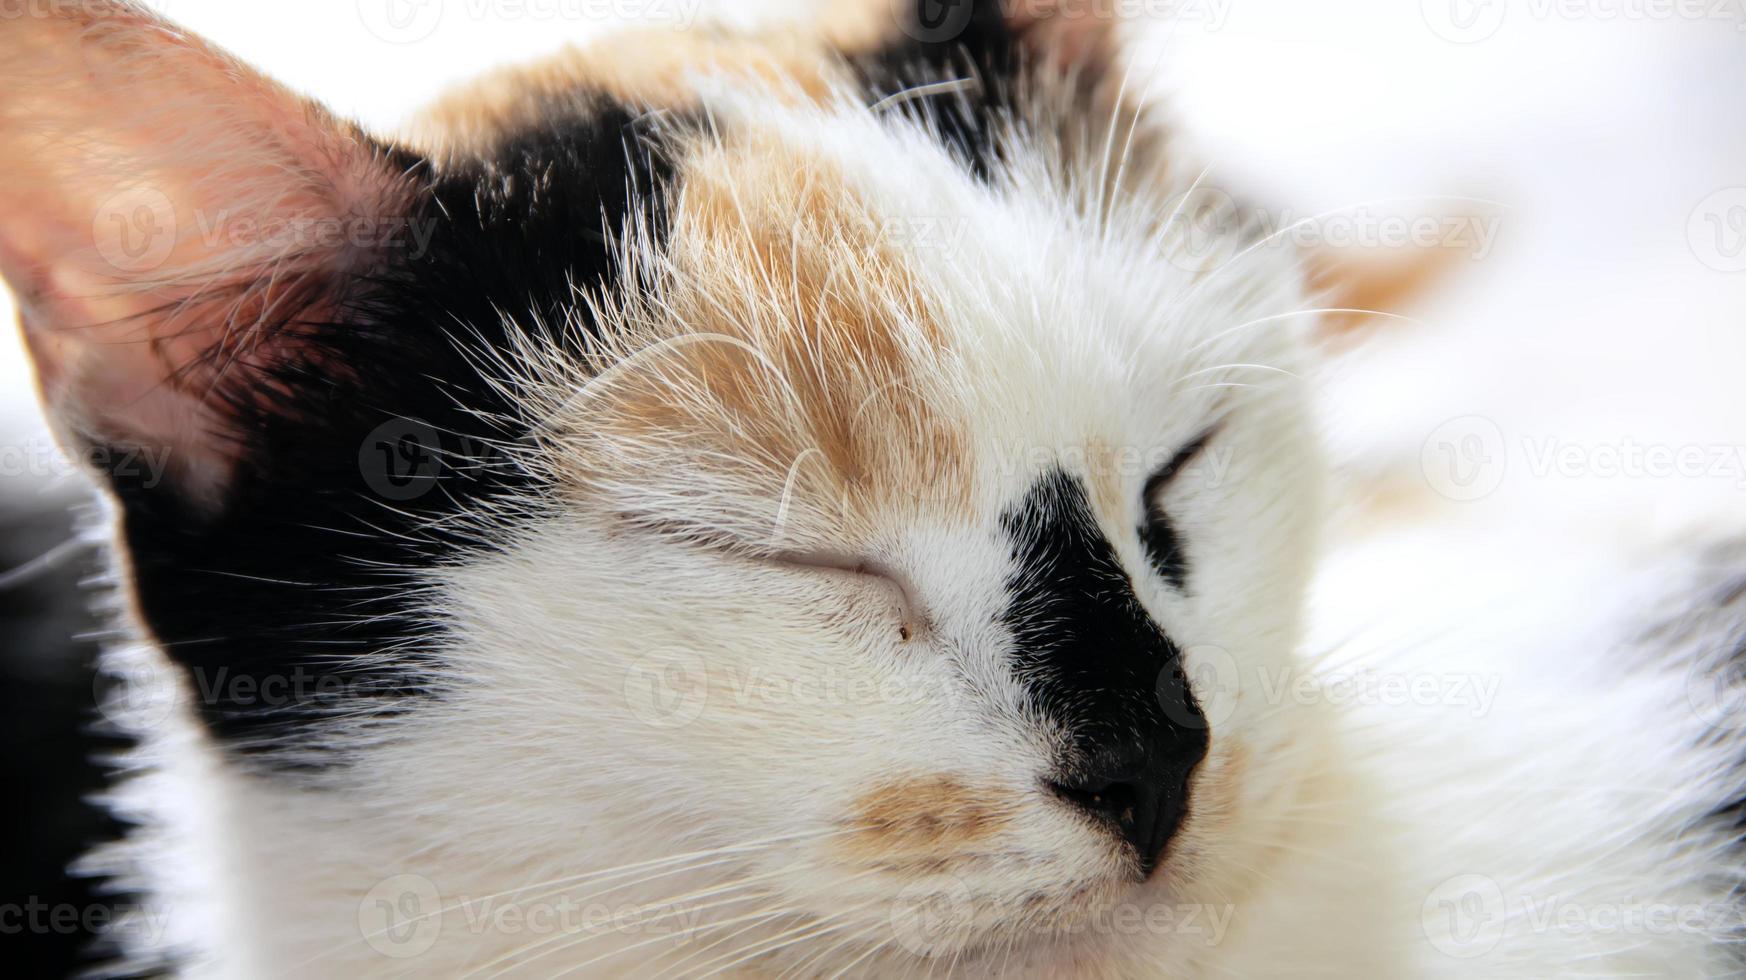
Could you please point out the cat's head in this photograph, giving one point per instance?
(828, 455)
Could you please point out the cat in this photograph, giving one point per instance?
(773, 504)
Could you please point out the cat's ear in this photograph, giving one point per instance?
(170, 221)
(1069, 37)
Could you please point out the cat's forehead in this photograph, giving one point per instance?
(832, 318)
(823, 307)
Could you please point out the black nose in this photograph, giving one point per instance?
(1100, 670)
(1139, 788)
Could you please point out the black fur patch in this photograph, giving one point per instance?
(1093, 659)
(950, 40)
(296, 600)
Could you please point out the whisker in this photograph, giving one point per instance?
(582, 878)
(669, 904)
(649, 942)
(569, 941)
(1222, 334)
(953, 86)
(1312, 219)
(784, 940)
(1233, 367)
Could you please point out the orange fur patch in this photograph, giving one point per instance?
(922, 822)
(788, 346)
(1382, 281)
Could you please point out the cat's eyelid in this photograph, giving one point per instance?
(834, 562)
(1184, 458)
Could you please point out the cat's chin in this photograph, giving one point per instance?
(1048, 931)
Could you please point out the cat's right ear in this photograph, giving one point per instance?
(172, 224)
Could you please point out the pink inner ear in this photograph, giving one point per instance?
(168, 211)
(110, 381)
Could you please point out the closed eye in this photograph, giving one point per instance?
(872, 572)
(1162, 542)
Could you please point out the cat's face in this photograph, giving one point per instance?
(881, 504)
(895, 553)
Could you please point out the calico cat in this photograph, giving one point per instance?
(766, 505)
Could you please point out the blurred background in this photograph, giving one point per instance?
(1563, 400)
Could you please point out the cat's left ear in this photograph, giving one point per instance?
(169, 220)
(1061, 37)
